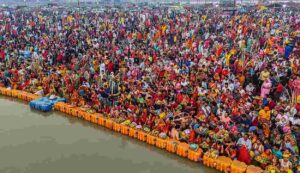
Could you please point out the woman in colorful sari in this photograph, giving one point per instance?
(296, 90)
(244, 146)
(52, 90)
(81, 101)
(257, 149)
(264, 115)
(243, 155)
(95, 100)
(174, 134)
(265, 88)
(74, 98)
(14, 80)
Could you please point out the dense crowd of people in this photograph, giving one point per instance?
(228, 84)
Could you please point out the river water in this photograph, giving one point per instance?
(35, 142)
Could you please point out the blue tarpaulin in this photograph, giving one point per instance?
(45, 104)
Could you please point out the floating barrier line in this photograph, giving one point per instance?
(220, 163)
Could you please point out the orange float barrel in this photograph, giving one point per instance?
(15, 93)
(101, 121)
(218, 163)
(84, 115)
(24, 96)
(80, 113)
(151, 139)
(20, 95)
(87, 116)
(27, 97)
(182, 149)
(109, 123)
(195, 155)
(68, 109)
(133, 133)
(223, 163)
(124, 129)
(238, 167)
(2, 90)
(60, 106)
(74, 111)
(161, 143)
(30, 97)
(171, 146)
(142, 136)
(94, 118)
(209, 161)
(117, 127)
(254, 169)
(34, 96)
(205, 160)
(57, 106)
(64, 108)
(8, 92)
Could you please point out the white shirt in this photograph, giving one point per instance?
(231, 87)
(102, 67)
(184, 83)
(294, 121)
(249, 88)
(247, 143)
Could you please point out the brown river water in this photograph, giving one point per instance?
(36, 142)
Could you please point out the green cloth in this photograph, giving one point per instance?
(141, 100)
(277, 153)
(249, 45)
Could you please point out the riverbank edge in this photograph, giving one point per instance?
(220, 163)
